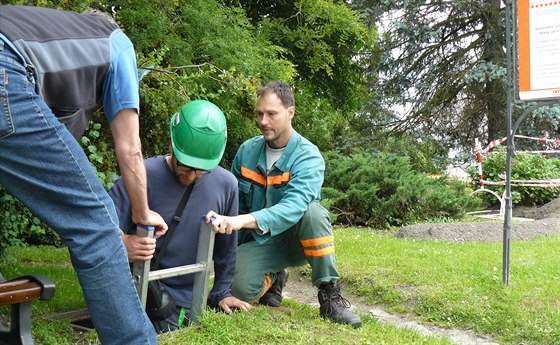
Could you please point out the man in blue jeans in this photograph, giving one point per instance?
(54, 68)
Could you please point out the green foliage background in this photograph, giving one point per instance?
(384, 190)
(222, 51)
(195, 49)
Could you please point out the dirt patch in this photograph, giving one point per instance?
(299, 288)
(481, 232)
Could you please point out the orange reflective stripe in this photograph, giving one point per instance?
(319, 252)
(267, 284)
(253, 176)
(280, 179)
(314, 242)
(260, 179)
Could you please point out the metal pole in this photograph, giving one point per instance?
(201, 270)
(141, 269)
(512, 90)
(204, 255)
(509, 100)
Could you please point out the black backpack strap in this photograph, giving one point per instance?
(174, 222)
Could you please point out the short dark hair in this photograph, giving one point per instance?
(281, 89)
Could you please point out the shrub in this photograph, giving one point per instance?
(19, 226)
(425, 154)
(383, 190)
(523, 167)
(98, 147)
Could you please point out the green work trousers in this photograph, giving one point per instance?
(308, 241)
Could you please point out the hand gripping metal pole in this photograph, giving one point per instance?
(140, 268)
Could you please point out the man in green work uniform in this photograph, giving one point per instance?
(281, 223)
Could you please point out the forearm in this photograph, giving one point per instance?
(125, 129)
(245, 221)
(133, 173)
(225, 225)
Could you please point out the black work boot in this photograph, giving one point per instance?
(273, 297)
(336, 307)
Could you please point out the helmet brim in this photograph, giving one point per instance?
(195, 162)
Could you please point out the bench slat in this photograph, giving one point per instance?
(19, 291)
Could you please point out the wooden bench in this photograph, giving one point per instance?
(19, 293)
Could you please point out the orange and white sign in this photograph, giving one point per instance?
(538, 23)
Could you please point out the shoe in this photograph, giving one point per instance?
(273, 297)
(336, 307)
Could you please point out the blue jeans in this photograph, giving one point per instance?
(44, 167)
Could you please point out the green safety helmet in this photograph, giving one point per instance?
(198, 135)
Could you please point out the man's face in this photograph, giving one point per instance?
(186, 175)
(274, 120)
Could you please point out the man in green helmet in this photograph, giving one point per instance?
(198, 139)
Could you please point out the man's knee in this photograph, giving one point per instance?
(315, 218)
(245, 284)
(246, 292)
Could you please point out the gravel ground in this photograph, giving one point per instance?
(528, 223)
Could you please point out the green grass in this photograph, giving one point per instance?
(53, 263)
(295, 324)
(459, 285)
(445, 284)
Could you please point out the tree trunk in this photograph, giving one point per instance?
(495, 89)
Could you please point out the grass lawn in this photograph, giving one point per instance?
(445, 284)
(459, 285)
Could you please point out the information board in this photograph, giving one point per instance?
(538, 43)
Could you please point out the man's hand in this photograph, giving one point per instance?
(154, 219)
(139, 248)
(226, 225)
(231, 302)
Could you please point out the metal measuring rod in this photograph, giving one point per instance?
(140, 268)
(200, 269)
